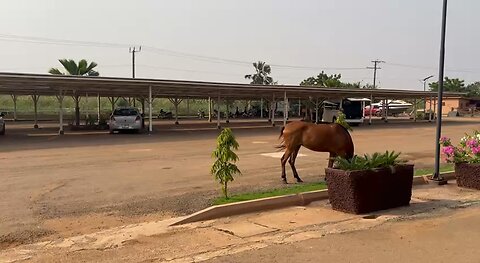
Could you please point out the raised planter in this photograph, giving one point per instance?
(468, 175)
(365, 191)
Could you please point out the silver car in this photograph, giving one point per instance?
(126, 118)
(2, 124)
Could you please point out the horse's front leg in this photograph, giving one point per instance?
(284, 159)
(292, 159)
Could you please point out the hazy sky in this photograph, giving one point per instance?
(316, 34)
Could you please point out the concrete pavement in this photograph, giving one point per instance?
(267, 235)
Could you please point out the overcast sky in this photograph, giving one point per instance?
(215, 40)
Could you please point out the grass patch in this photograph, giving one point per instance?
(295, 189)
(300, 188)
(426, 171)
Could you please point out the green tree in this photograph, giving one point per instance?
(224, 167)
(80, 69)
(261, 75)
(324, 80)
(451, 85)
(370, 86)
(473, 89)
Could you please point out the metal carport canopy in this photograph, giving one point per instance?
(51, 85)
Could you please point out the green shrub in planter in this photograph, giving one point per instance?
(369, 183)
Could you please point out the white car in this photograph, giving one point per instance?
(127, 119)
(2, 124)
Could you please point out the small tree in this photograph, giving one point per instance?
(342, 121)
(224, 167)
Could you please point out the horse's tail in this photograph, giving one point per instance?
(350, 151)
(281, 132)
(281, 146)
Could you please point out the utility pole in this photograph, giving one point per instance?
(134, 50)
(375, 67)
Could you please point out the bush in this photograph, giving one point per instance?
(368, 162)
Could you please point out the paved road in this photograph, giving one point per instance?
(81, 183)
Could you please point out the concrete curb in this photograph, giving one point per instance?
(269, 203)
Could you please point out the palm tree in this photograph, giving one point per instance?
(80, 69)
(72, 68)
(261, 77)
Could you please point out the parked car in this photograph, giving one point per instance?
(375, 110)
(2, 124)
(125, 118)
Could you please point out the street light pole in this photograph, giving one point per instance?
(424, 89)
(436, 175)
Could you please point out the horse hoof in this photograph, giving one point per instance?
(284, 181)
(299, 180)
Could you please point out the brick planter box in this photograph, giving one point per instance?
(365, 191)
(468, 175)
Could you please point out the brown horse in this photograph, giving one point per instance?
(325, 137)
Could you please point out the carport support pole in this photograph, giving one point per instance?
(209, 109)
(227, 111)
(98, 108)
(285, 108)
(60, 102)
(274, 104)
(386, 110)
(35, 110)
(86, 106)
(218, 112)
(415, 110)
(430, 110)
(150, 110)
(261, 108)
(14, 98)
(299, 107)
(316, 111)
(371, 109)
(175, 102)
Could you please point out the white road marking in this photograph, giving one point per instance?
(258, 142)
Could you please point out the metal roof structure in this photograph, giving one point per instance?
(51, 85)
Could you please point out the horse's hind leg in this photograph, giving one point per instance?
(331, 159)
(284, 159)
(292, 159)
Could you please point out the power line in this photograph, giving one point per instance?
(433, 68)
(161, 51)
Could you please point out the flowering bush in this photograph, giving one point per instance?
(467, 151)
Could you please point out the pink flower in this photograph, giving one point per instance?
(472, 143)
(445, 141)
(476, 150)
(449, 150)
